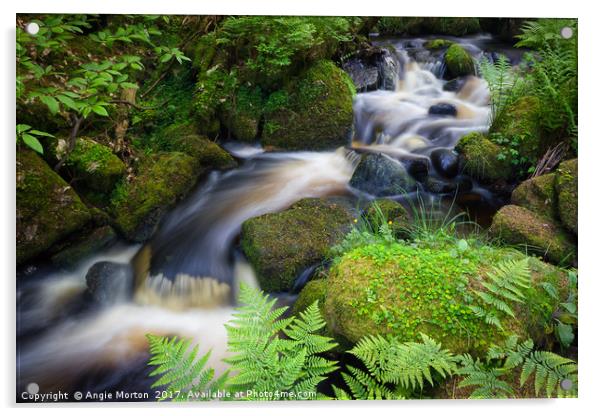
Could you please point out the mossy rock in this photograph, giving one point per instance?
(94, 165)
(83, 246)
(279, 246)
(456, 26)
(520, 126)
(458, 62)
(139, 205)
(480, 160)
(48, 209)
(537, 195)
(566, 187)
(318, 113)
(203, 52)
(519, 226)
(407, 289)
(314, 290)
(242, 117)
(438, 44)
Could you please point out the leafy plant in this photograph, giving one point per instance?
(183, 374)
(28, 136)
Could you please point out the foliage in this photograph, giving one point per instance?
(565, 316)
(505, 282)
(29, 136)
(183, 374)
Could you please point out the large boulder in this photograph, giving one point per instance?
(537, 195)
(407, 289)
(458, 62)
(313, 111)
(380, 175)
(519, 226)
(480, 159)
(109, 283)
(566, 188)
(94, 165)
(281, 245)
(48, 209)
(139, 205)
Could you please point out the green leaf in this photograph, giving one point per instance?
(33, 143)
(565, 334)
(22, 127)
(69, 102)
(100, 110)
(40, 133)
(166, 57)
(51, 103)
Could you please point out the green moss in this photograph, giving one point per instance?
(438, 43)
(318, 113)
(520, 226)
(48, 209)
(95, 165)
(458, 62)
(139, 205)
(83, 246)
(566, 187)
(281, 245)
(242, 116)
(204, 52)
(481, 160)
(538, 195)
(403, 290)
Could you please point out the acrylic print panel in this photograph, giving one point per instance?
(251, 208)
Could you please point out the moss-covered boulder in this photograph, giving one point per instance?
(241, 118)
(520, 126)
(520, 226)
(314, 111)
(479, 159)
(279, 246)
(458, 62)
(48, 209)
(94, 165)
(407, 289)
(566, 188)
(314, 290)
(537, 195)
(138, 205)
(438, 44)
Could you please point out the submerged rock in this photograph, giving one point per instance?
(317, 112)
(280, 246)
(517, 225)
(403, 290)
(566, 187)
(379, 175)
(458, 62)
(443, 109)
(446, 162)
(479, 159)
(454, 85)
(109, 283)
(48, 209)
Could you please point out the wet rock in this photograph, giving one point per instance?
(517, 225)
(109, 283)
(379, 175)
(458, 62)
(479, 159)
(443, 109)
(281, 245)
(364, 77)
(538, 195)
(566, 188)
(440, 187)
(84, 245)
(48, 209)
(454, 85)
(418, 168)
(446, 162)
(318, 113)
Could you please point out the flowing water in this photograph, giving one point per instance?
(185, 277)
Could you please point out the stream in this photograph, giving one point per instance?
(186, 276)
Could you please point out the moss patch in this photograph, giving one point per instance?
(438, 43)
(538, 195)
(48, 209)
(458, 62)
(480, 159)
(139, 205)
(318, 112)
(282, 245)
(403, 289)
(520, 226)
(566, 187)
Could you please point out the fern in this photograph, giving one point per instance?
(505, 283)
(183, 376)
(389, 362)
(263, 360)
(486, 380)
